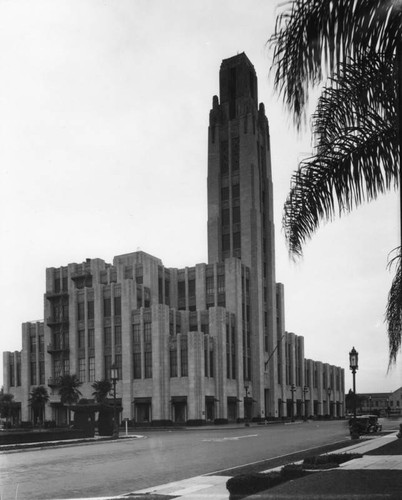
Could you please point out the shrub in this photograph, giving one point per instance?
(162, 423)
(221, 421)
(247, 484)
(292, 471)
(49, 424)
(26, 424)
(195, 422)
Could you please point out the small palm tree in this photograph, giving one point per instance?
(38, 399)
(6, 405)
(68, 390)
(101, 390)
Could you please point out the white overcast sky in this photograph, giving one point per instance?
(104, 110)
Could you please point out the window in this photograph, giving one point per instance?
(119, 365)
(19, 371)
(81, 369)
(32, 342)
(91, 361)
(224, 156)
(66, 367)
(41, 372)
(90, 309)
(117, 306)
(225, 242)
(236, 240)
(224, 193)
(173, 362)
(137, 365)
(236, 191)
(225, 217)
(41, 343)
(211, 363)
(33, 373)
(108, 364)
(184, 358)
(81, 311)
(210, 285)
(57, 368)
(206, 357)
(91, 338)
(236, 215)
(148, 364)
(108, 336)
(191, 287)
(147, 333)
(107, 308)
(117, 335)
(136, 334)
(11, 374)
(221, 283)
(181, 289)
(81, 339)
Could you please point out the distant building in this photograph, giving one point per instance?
(195, 344)
(381, 403)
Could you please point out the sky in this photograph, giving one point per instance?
(104, 109)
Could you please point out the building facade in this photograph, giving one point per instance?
(379, 403)
(195, 344)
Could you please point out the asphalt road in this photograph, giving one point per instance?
(126, 465)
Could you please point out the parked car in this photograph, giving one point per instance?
(365, 424)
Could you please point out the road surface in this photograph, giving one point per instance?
(126, 465)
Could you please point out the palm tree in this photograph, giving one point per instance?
(7, 406)
(68, 390)
(101, 390)
(38, 399)
(357, 155)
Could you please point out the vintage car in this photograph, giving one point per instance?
(365, 424)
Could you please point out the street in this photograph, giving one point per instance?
(126, 465)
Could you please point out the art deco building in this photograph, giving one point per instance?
(195, 344)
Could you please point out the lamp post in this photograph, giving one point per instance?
(293, 389)
(246, 423)
(329, 401)
(305, 391)
(369, 398)
(354, 365)
(114, 376)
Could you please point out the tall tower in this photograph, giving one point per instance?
(240, 215)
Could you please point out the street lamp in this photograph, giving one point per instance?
(354, 365)
(369, 398)
(293, 389)
(114, 377)
(305, 391)
(246, 423)
(329, 400)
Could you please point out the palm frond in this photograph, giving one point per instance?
(357, 150)
(393, 315)
(313, 37)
